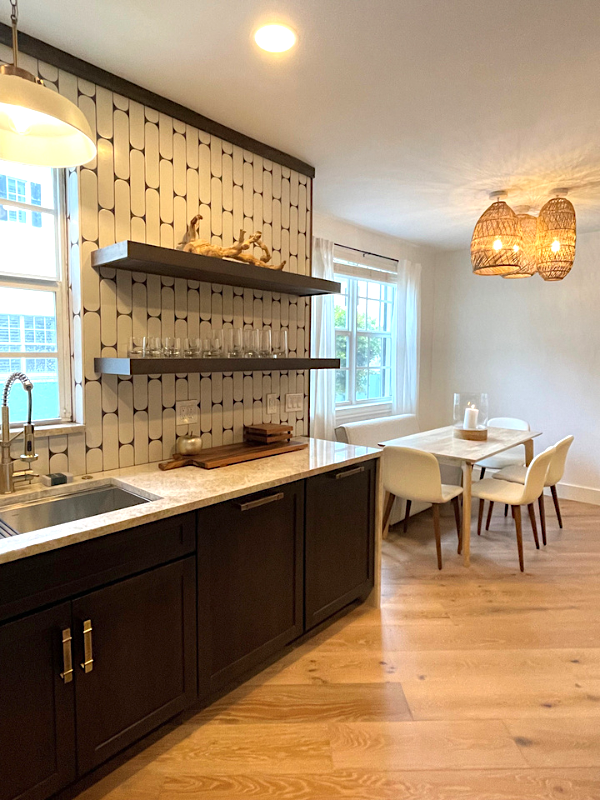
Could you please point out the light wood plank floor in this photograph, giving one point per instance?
(466, 685)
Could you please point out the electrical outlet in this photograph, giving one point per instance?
(294, 402)
(272, 403)
(186, 412)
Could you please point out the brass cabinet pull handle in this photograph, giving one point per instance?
(67, 673)
(262, 501)
(88, 663)
(348, 472)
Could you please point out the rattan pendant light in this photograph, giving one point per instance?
(556, 237)
(496, 245)
(528, 225)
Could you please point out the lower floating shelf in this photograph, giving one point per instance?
(155, 366)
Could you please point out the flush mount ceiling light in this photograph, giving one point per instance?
(37, 125)
(528, 224)
(557, 234)
(275, 38)
(497, 242)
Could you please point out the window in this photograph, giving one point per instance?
(363, 338)
(33, 300)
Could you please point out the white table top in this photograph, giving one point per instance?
(442, 443)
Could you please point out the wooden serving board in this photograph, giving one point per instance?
(232, 454)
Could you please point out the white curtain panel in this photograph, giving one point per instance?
(322, 381)
(406, 328)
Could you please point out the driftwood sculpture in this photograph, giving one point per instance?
(238, 250)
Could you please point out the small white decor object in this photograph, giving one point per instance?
(470, 415)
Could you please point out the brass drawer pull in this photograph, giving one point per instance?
(88, 664)
(67, 673)
(348, 472)
(262, 501)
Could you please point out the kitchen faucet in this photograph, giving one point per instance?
(7, 463)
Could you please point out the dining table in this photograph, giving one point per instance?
(448, 449)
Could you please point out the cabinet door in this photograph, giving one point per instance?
(340, 509)
(37, 723)
(249, 581)
(136, 658)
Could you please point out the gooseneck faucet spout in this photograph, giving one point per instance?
(7, 463)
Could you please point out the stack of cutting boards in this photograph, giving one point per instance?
(260, 441)
(268, 433)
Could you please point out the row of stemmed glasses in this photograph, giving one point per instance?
(222, 343)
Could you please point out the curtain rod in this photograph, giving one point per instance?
(365, 252)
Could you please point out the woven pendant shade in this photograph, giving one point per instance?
(529, 255)
(557, 234)
(496, 246)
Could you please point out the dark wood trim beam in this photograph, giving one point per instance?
(83, 69)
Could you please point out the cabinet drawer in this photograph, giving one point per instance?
(250, 563)
(340, 519)
(46, 578)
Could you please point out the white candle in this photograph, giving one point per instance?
(470, 420)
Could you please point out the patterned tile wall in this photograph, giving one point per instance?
(151, 175)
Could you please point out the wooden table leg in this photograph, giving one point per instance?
(466, 537)
(528, 452)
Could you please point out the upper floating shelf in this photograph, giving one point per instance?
(155, 366)
(138, 257)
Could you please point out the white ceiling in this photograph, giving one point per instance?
(412, 111)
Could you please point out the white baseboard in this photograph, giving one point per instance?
(583, 494)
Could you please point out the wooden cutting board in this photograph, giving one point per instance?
(232, 454)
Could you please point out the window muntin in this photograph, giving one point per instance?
(33, 296)
(363, 323)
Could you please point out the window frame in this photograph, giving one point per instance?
(59, 286)
(353, 408)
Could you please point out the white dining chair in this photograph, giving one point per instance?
(415, 475)
(556, 470)
(516, 495)
(513, 457)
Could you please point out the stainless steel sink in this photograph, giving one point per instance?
(82, 504)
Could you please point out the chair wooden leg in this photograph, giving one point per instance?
(389, 502)
(506, 510)
(482, 473)
(517, 515)
(456, 505)
(407, 515)
(556, 505)
(533, 525)
(489, 516)
(436, 530)
(480, 517)
(542, 508)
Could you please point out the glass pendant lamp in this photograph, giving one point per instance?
(556, 238)
(528, 224)
(497, 242)
(37, 125)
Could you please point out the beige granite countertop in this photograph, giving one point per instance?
(173, 492)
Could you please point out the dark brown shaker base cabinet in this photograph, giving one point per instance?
(250, 558)
(142, 645)
(37, 732)
(133, 657)
(339, 540)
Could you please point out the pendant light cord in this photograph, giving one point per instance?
(14, 18)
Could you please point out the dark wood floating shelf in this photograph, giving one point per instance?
(155, 366)
(138, 257)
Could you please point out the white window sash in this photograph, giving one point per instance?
(59, 286)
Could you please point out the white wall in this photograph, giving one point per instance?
(345, 233)
(534, 346)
